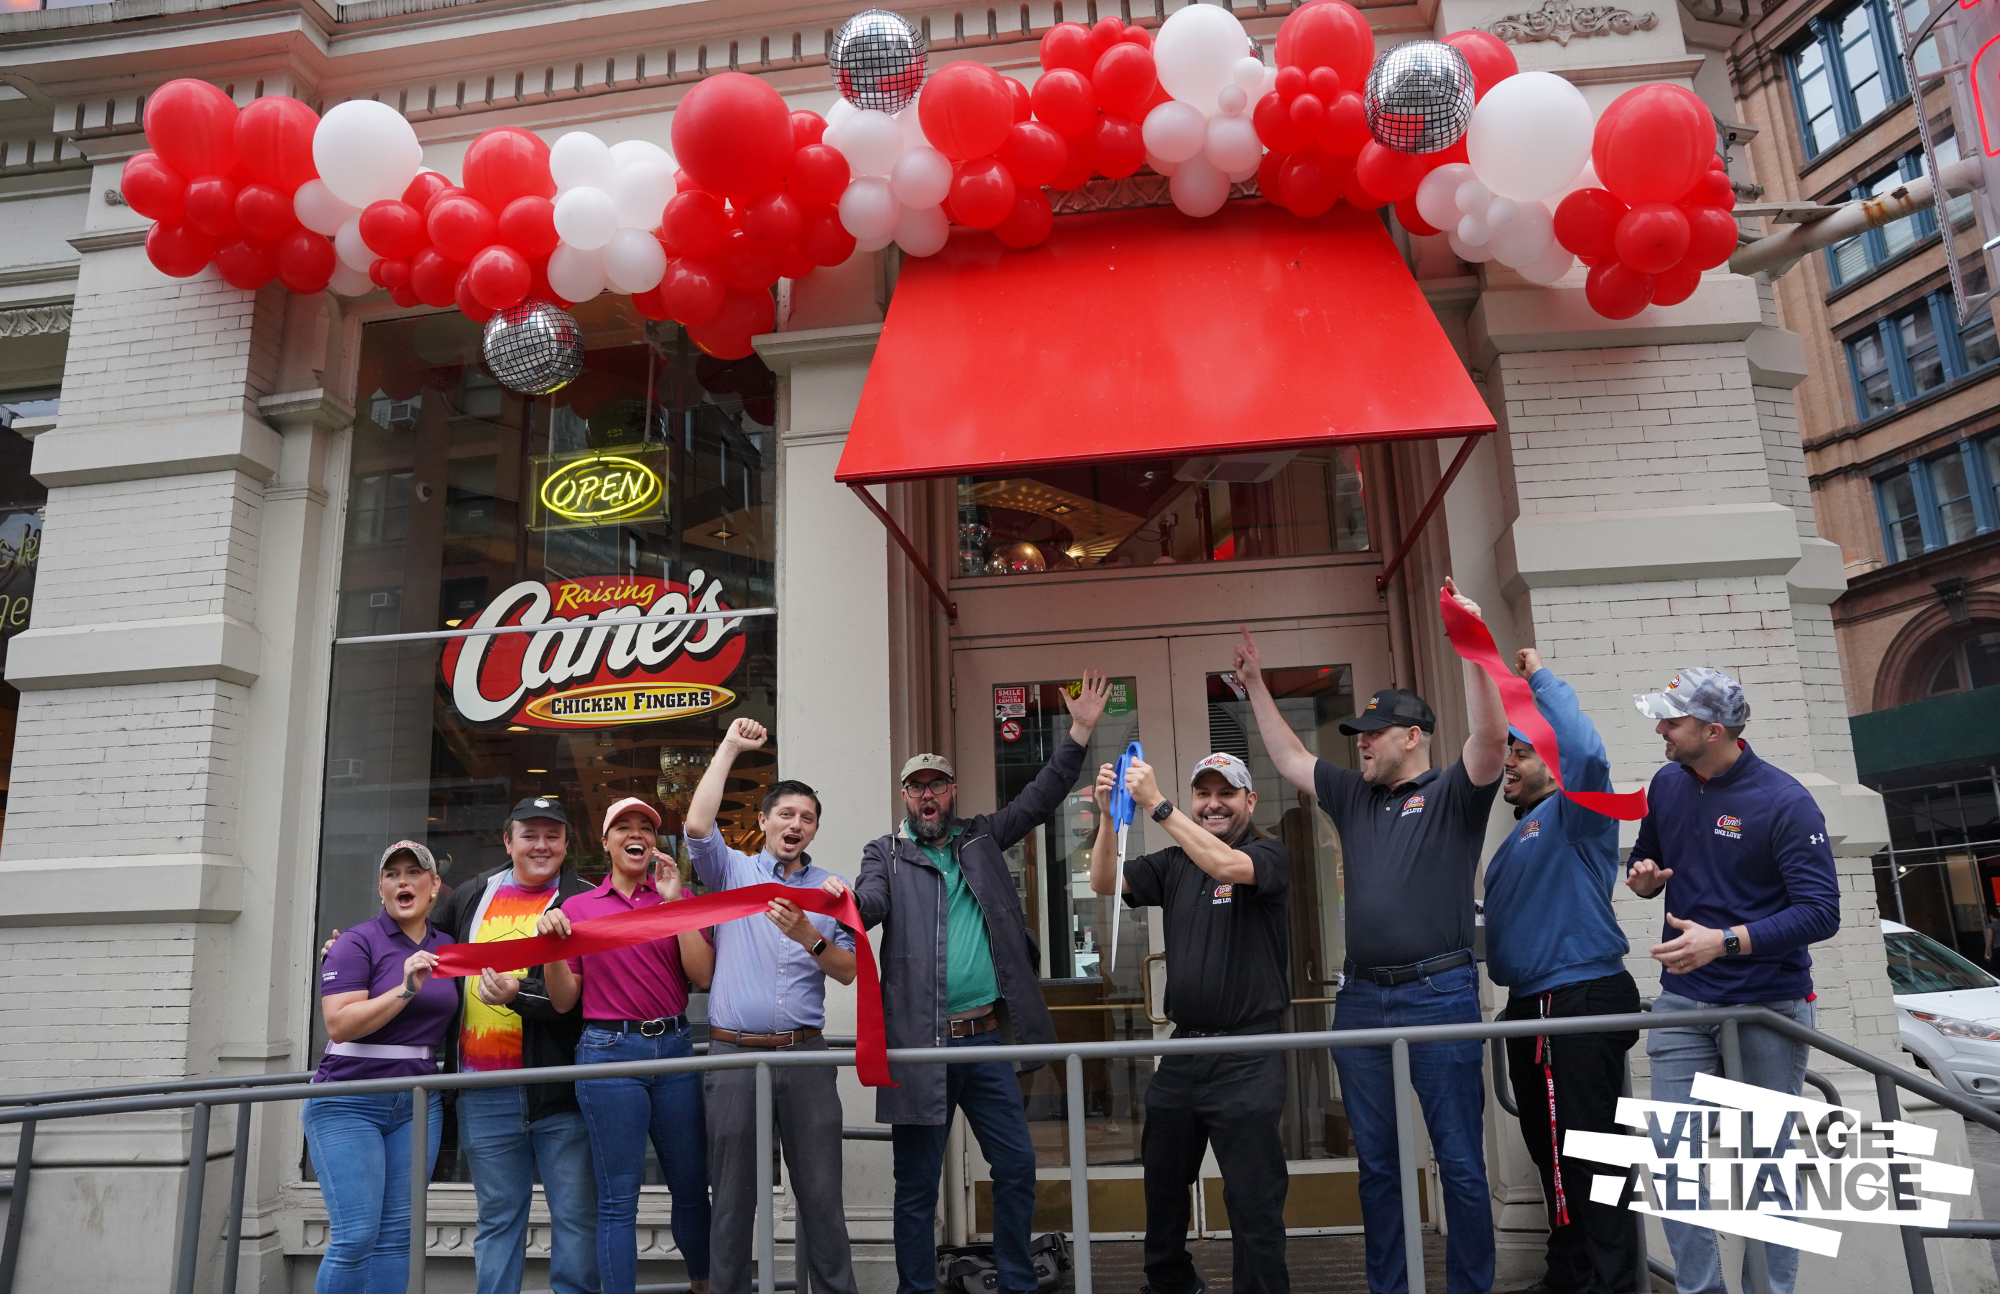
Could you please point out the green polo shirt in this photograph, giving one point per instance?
(968, 961)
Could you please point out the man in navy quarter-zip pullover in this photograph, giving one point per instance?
(1740, 851)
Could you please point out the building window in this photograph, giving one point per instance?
(1938, 501)
(1855, 257)
(1972, 662)
(1902, 527)
(1845, 73)
(1916, 351)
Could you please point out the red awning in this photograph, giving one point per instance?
(1145, 334)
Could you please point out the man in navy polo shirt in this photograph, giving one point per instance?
(1740, 851)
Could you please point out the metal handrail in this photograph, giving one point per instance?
(1729, 1020)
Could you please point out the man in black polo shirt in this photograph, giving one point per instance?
(1221, 889)
(1410, 837)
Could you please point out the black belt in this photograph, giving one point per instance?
(645, 1028)
(1388, 976)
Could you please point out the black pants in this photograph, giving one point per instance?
(1234, 1102)
(1597, 1251)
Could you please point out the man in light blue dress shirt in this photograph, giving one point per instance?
(769, 994)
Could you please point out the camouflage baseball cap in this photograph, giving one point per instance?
(1707, 694)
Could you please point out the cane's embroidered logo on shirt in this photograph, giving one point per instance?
(326, 975)
(1729, 825)
(1224, 893)
(1531, 828)
(1415, 804)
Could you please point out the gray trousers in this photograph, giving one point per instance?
(806, 1104)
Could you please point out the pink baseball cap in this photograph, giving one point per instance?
(626, 805)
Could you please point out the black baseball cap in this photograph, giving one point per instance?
(539, 806)
(1392, 707)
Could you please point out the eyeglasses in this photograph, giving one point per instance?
(927, 790)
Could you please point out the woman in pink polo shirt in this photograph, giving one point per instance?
(634, 1008)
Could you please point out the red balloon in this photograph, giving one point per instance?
(528, 225)
(393, 229)
(433, 278)
(1024, 103)
(1651, 237)
(1290, 83)
(965, 110)
(1711, 190)
(1359, 194)
(745, 314)
(776, 219)
(693, 224)
(692, 290)
(795, 264)
(1615, 292)
(469, 305)
(244, 264)
(1456, 153)
(1138, 36)
(1124, 79)
(1653, 143)
(747, 263)
(1273, 119)
(1067, 45)
(1586, 221)
(385, 273)
(1269, 171)
(1392, 175)
(807, 128)
(424, 188)
(1328, 33)
(178, 249)
(1028, 224)
(982, 194)
(733, 135)
(1491, 61)
(818, 176)
(430, 203)
(506, 163)
(1311, 181)
(498, 276)
(1306, 110)
(1409, 218)
(1711, 237)
(1344, 132)
(826, 240)
(1117, 147)
(305, 261)
(1076, 171)
(274, 140)
(406, 297)
(192, 126)
(265, 214)
(460, 226)
(1104, 33)
(1065, 100)
(210, 206)
(1676, 285)
(649, 304)
(152, 188)
(1033, 154)
(1323, 82)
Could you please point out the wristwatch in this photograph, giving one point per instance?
(818, 948)
(1732, 944)
(1163, 810)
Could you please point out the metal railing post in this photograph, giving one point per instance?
(420, 1188)
(239, 1172)
(766, 1231)
(1406, 1155)
(1756, 1262)
(1642, 1274)
(1079, 1174)
(197, 1174)
(1914, 1256)
(17, 1207)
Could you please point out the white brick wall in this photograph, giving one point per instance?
(84, 1005)
(142, 550)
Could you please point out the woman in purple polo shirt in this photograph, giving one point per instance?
(634, 1008)
(386, 1017)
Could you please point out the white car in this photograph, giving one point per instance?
(1948, 1010)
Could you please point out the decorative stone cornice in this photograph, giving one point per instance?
(35, 321)
(1561, 20)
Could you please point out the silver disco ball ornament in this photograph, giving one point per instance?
(534, 348)
(1419, 97)
(878, 60)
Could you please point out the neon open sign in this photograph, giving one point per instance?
(600, 489)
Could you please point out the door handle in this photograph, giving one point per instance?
(1146, 985)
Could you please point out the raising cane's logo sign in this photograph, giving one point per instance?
(636, 669)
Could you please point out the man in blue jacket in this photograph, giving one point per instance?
(1552, 940)
(1740, 851)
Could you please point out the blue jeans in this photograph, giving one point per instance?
(990, 1095)
(1769, 1060)
(361, 1153)
(619, 1114)
(504, 1152)
(1447, 1076)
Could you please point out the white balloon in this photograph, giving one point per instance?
(1238, 177)
(580, 160)
(366, 152)
(1472, 231)
(1553, 265)
(639, 192)
(350, 282)
(320, 211)
(586, 219)
(1232, 143)
(1437, 196)
(1500, 212)
(921, 177)
(868, 209)
(1174, 130)
(1198, 188)
(921, 231)
(626, 152)
(1473, 198)
(839, 112)
(1530, 135)
(1466, 252)
(1196, 51)
(913, 126)
(634, 261)
(1527, 239)
(874, 244)
(576, 273)
(1248, 75)
(1160, 165)
(871, 141)
(1232, 99)
(350, 248)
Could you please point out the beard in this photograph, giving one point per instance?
(929, 833)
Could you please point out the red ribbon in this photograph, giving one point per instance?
(1474, 642)
(664, 920)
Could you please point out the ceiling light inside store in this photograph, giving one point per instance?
(516, 727)
(538, 770)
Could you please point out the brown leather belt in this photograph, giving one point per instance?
(974, 1027)
(767, 1040)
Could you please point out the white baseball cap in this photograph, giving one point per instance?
(1233, 770)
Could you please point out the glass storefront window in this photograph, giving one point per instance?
(23, 499)
(1165, 511)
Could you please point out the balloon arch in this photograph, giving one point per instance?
(1509, 166)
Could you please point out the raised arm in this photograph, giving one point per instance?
(1104, 850)
(1039, 800)
(744, 734)
(1485, 752)
(1295, 763)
